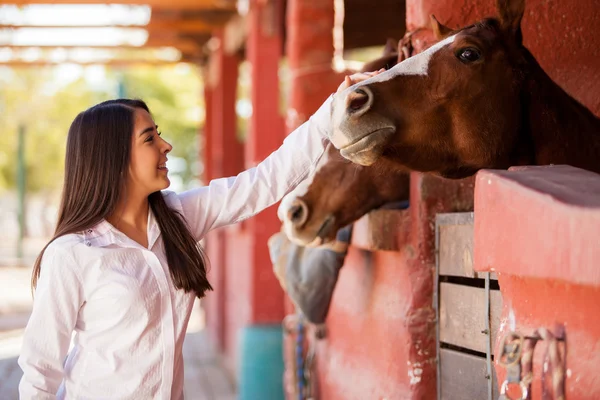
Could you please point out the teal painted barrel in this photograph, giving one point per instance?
(261, 363)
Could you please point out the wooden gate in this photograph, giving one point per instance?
(468, 306)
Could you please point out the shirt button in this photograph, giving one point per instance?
(88, 243)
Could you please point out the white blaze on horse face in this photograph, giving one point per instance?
(344, 133)
(415, 65)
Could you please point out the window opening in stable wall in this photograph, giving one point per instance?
(349, 59)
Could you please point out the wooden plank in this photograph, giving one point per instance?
(462, 316)
(456, 251)
(463, 376)
(382, 230)
(456, 246)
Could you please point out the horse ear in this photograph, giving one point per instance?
(391, 47)
(439, 31)
(511, 13)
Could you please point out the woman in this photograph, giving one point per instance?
(123, 268)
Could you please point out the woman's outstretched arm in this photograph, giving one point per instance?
(229, 200)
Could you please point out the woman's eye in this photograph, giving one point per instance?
(158, 133)
(149, 138)
(468, 55)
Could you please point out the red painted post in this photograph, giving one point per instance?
(226, 159)
(207, 173)
(214, 319)
(228, 152)
(264, 45)
(309, 51)
(310, 54)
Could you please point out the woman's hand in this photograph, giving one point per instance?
(350, 80)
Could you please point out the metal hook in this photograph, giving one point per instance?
(504, 389)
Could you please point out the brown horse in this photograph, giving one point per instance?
(476, 99)
(339, 192)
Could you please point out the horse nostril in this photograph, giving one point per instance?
(298, 213)
(359, 101)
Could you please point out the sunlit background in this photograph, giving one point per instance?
(58, 60)
(48, 74)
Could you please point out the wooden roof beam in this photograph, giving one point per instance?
(113, 62)
(172, 4)
(188, 47)
(183, 26)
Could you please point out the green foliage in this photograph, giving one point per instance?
(27, 98)
(45, 102)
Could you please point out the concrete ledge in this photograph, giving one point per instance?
(539, 222)
(382, 229)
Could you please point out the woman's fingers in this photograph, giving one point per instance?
(353, 79)
(350, 80)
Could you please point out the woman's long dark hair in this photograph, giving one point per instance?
(96, 166)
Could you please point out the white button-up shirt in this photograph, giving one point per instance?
(128, 319)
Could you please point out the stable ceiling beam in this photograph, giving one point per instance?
(113, 62)
(171, 4)
(188, 47)
(183, 26)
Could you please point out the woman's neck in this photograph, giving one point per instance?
(131, 216)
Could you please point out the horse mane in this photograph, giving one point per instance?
(562, 129)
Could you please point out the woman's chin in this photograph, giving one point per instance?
(164, 183)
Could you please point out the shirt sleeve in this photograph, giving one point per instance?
(230, 200)
(58, 298)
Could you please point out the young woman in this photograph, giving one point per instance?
(121, 273)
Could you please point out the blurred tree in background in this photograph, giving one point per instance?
(46, 102)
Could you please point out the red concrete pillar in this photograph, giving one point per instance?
(228, 152)
(224, 158)
(207, 173)
(309, 51)
(264, 45)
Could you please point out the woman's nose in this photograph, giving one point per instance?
(167, 146)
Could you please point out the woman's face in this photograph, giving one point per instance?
(147, 169)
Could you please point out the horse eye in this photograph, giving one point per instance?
(468, 55)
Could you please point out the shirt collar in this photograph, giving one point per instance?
(105, 234)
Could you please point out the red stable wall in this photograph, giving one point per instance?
(562, 35)
(380, 340)
(381, 336)
(381, 325)
(549, 219)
